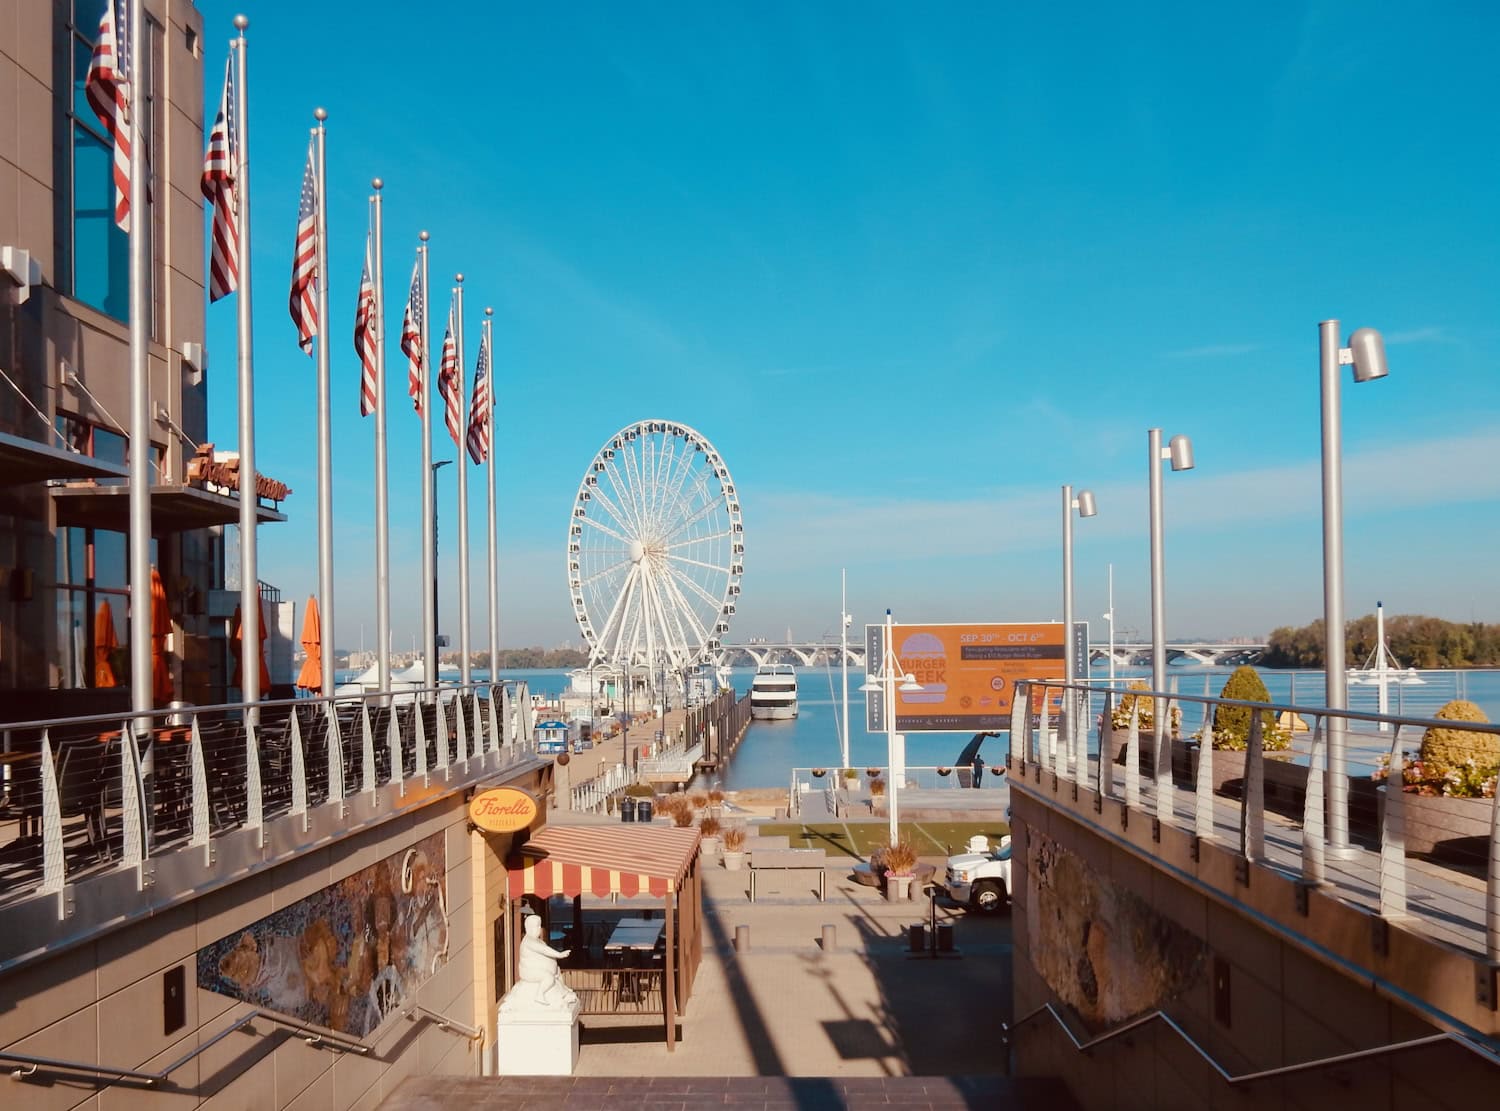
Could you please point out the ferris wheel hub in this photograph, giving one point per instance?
(637, 551)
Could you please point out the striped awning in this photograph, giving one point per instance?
(601, 860)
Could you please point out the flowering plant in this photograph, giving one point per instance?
(1466, 780)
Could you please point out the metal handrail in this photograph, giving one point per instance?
(443, 1022)
(1006, 1029)
(309, 1034)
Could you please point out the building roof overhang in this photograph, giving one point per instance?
(173, 508)
(23, 461)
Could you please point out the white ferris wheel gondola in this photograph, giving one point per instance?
(656, 548)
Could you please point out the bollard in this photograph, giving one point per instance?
(917, 937)
(742, 939)
(830, 938)
(945, 937)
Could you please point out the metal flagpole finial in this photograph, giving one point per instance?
(488, 311)
(241, 22)
(377, 183)
(320, 114)
(422, 235)
(459, 278)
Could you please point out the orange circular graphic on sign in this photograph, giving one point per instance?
(502, 809)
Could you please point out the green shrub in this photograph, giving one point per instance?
(1444, 749)
(1232, 723)
(1120, 716)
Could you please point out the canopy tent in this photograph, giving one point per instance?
(628, 860)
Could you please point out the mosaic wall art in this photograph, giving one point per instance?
(347, 957)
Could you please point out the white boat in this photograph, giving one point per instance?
(773, 692)
(1383, 670)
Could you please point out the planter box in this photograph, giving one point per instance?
(1455, 831)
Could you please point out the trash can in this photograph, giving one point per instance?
(917, 937)
(627, 809)
(645, 810)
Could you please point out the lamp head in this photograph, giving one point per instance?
(1180, 451)
(1368, 349)
(1085, 503)
(909, 683)
(870, 686)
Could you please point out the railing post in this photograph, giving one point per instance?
(335, 757)
(1017, 728)
(393, 743)
(199, 773)
(1203, 787)
(54, 869)
(366, 750)
(1492, 887)
(481, 744)
(497, 691)
(1166, 793)
(1043, 742)
(1133, 756)
(132, 803)
(419, 726)
(463, 731)
(1106, 756)
(255, 814)
(1393, 836)
(442, 734)
(299, 771)
(1312, 812)
(1253, 798)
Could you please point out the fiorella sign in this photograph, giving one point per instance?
(502, 810)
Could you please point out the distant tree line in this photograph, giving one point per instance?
(1414, 641)
(546, 658)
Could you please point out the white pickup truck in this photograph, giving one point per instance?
(980, 877)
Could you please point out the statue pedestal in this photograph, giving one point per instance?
(536, 1041)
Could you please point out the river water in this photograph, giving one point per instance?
(772, 748)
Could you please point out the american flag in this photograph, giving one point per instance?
(366, 336)
(451, 385)
(305, 261)
(411, 335)
(479, 404)
(108, 89)
(221, 168)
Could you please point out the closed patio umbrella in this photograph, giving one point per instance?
(105, 642)
(161, 628)
(310, 678)
(236, 635)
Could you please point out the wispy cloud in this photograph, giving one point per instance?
(1432, 333)
(1214, 351)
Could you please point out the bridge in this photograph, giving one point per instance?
(819, 653)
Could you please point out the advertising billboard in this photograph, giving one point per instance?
(967, 673)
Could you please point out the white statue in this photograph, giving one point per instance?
(538, 981)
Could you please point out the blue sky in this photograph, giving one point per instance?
(910, 268)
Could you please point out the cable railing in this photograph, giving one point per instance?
(1423, 853)
(87, 795)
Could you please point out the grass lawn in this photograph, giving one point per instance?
(856, 839)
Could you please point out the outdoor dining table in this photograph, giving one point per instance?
(632, 942)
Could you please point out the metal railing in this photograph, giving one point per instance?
(86, 795)
(676, 760)
(1332, 1061)
(1277, 807)
(594, 794)
(838, 791)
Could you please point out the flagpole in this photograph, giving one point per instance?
(325, 430)
(488, 340)
(463, 486)
(429, 604)
(250, 691)
(382, 506)
(141, 698)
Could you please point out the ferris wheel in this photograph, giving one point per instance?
(656, 549)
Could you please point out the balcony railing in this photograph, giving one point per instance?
(1273, 813)
(89, 797)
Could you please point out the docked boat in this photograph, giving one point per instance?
(773, 692)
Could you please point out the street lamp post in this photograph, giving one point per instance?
(886, 680)
(1076, 755)
(1180, 452)
(437, 639)
(1366, 354)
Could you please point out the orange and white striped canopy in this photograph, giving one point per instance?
(602, 859)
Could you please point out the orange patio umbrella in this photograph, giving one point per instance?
(236, 636)
(161, 628)
(105, 642)
(310, 678)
